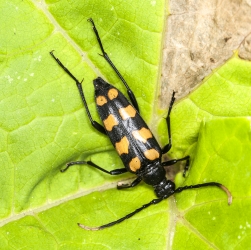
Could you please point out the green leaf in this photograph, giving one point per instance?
(221, 155)
(44, 126)
(225, 93)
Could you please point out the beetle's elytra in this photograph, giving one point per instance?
(133, 140)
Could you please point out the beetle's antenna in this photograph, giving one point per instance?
(155, 201)
(229, 195)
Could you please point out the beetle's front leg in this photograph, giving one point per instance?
(173, 161)
(122, 185)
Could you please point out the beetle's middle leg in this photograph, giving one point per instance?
(90, 163)
(168, 146)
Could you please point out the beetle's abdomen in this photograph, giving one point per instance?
(127, 131)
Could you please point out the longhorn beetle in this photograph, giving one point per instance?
(134, 142)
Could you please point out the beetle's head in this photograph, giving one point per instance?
(165, 187)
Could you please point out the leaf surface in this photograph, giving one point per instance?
(44, 126)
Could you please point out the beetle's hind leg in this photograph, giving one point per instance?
(95, 124)
(90, 163)
(107, 58)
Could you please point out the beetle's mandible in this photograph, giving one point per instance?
(133, 140)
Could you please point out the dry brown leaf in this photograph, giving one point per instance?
(200, 36)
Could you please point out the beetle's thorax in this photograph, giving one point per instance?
(155, 175)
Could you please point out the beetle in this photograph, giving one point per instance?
(134, 142)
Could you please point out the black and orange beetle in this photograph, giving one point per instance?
(134, 142)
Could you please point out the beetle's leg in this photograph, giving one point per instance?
(129, 185)
(186, 166)
(107, 58)
(90, 163)
(95, 124)
(173, 161)
(156, 201)
(168, 146)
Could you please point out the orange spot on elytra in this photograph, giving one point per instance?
(142, 134)
(151, 154)
(127, 112)
(122, 146)
(101, 100)
(112, 93)
(110, 122)
(135, 164)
